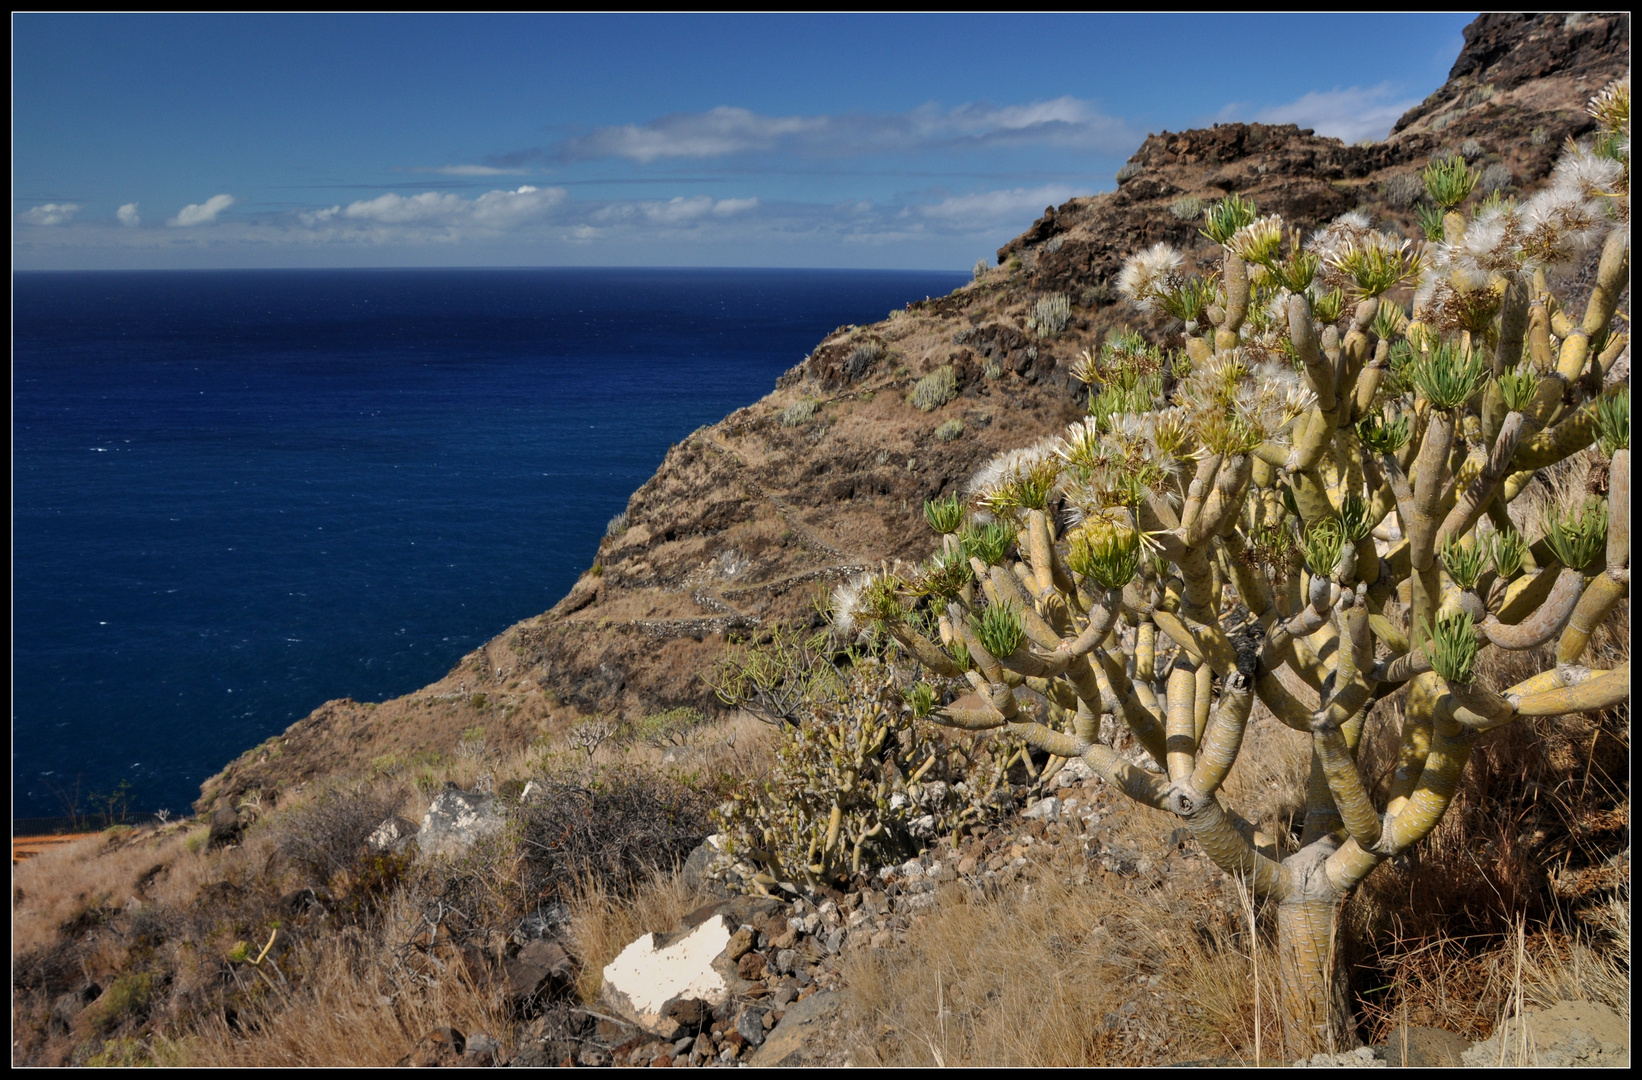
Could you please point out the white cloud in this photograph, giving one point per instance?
(494, 210)
(679, 210)
(726, 207)
(726, 130)
(507, 209)
(716, 132)
(202, 213)
(1350, 115)
(128, 215)
(424, 209)
(986, 208)
(533, 223)
(50, 213)
(468, 170)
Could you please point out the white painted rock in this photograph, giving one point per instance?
(654, 970)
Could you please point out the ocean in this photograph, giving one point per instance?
(237, 495)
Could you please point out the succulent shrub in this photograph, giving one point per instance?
(799, 412)
(616, 526)
(861, 359)
(981, 267)
(1187, 208)
(949, 430)
(935, 389)
(1220, 526)
(1494, 178)
(858, 784)
(1403, 190)
(1049, 315)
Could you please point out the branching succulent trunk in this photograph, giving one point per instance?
(1286, 449)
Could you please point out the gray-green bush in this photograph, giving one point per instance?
(1187, 208)
(861, 359)
(935, 389)
(1049, 315)
(799, 412)
(1403, 190)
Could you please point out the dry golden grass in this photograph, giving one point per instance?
(58, 885)
(603, 923)
(1057, 973)
(1450, 984)
(351, 1008)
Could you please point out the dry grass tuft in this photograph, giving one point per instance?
(350, 1008)
(1076, 968)
(603, 921)
(65, 883)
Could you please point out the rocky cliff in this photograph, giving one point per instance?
(747, 520)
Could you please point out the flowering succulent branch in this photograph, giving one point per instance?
(1315, 486)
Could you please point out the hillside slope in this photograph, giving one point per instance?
(747, 519)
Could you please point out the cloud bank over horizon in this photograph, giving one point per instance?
(798, 140)
(727, 131)
(551, 224)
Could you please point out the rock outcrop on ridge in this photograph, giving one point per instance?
(748, 520)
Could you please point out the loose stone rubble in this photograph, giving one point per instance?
(757, 979)
(1569, 1035)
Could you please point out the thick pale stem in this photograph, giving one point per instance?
(1568, 437)
(1234, 276)
(1481, 491)
(1513, 324)
(1434, 789)
(1041, 549)
(1224, 501)
(1009, 587)
(1182, 729)
(1283, 703)
(1312, 984)
(1429, 477)
(1619, 510)
(1197, 493)
(1319, 369)
(1222, 840)
(1527, 594)
(928, 653)
(1544, 623)
(1601, 595)
(1224, 736)
(1611, 279)
(1601, 691)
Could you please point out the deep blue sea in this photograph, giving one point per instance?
(239, 494)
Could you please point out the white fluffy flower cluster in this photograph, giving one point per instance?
(1553, 228)
(1353, 227)
(1149, 275)
(846, 602)
(1111, 462)
(1259, 240)
(1233, 402)
(1011, 467)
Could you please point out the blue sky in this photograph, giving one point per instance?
(826, 141)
